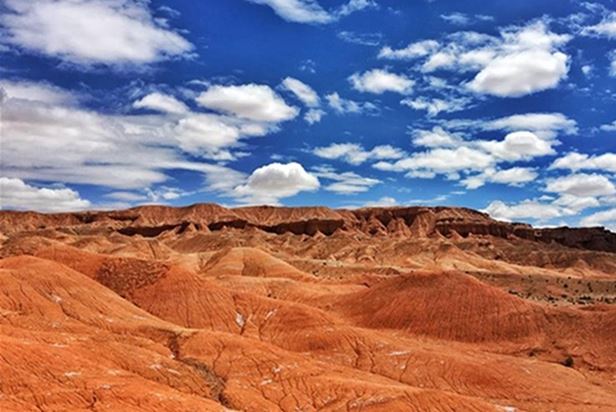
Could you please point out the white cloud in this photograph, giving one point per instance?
(165, 193)
(126, 196)
(412, 51)
(379, 81)
(249, 101)
(439, 161)
(576, 203)
(160, 102)
(606, 218)
(302, 91)
(545, 125)
(522, 60)
(345, 182)
(527, 209)
(111, 32)
(38, 92)
(298, 11)
(355, 154)
(199, 133)
(314, 116)
(610, 127)
(343, 106)
(461, 19)
(355, 5)
(221, 179)
(545, 208)
(454, 157)
(515, 176)
(385, 201)
(437, 137)
(436, 106)
(522, 73)
(440, 60)
(581, 185)
(17, 194)
(518, 146)
(350, 152)
(606, 28)
(66, 143)
(363, 39)
(309, 11)
(386, 152)
(579, 161)
(274, 181)
(528, 61)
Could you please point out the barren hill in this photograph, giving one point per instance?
(312, 309)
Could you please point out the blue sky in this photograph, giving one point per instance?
(506, 107)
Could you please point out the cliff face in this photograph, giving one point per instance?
(399, 222)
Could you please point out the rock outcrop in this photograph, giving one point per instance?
(405, 222)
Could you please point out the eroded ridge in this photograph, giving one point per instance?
(312, 309)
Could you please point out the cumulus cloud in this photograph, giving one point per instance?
(38, 92)
(17, 194)
(439, 161)
(310, 11)
(355, 5)
(461, 19)
(581, 185)
(522, 60)
(198, 133)
(343, 106)
(518, 146)
(270, 183)
(385, 201)
(437, 137)
(307, 96)
(576, 203)
(87, 32)
(355, 154)
(67, 143)
(435, 106)
(609, 127)
(579, 161)
(249, 101)
(527, 209)
(546, 125)
(521, 73)
(606, 27)
(314, 116)
(412, 51)
(160, 102)
(515, 176)
(528, 61)
(606, 218)
(302, 91)
(450, 155)
(379, 81)
(475, 162)
(345, 182)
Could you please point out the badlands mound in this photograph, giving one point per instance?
(303, 309)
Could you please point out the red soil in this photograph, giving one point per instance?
(268, 309)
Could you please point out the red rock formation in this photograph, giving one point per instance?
(284, 309)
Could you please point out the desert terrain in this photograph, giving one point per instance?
(206, 308)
